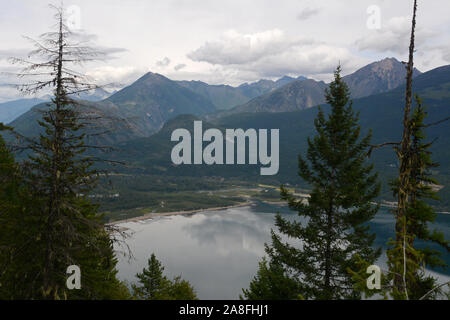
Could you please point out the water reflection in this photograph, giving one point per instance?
(231, 231)
(217, 251)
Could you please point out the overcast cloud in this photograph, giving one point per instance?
(233, 41)
(307, 13)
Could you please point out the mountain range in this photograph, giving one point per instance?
(225, 97)
(382, 113)
(10, 110)
(377, 77)
(153, 106)
(153, 99)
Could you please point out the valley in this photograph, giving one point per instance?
(149, 110)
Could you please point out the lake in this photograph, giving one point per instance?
(218, 251)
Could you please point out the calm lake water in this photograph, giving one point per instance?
(218, 251)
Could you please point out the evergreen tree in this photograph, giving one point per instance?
(177, 289)
(13, 203)
(150, 279)
(19, 224)
(60, 227)
(271, 283)
(154, 285)
(335, 234)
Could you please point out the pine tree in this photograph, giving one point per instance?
(271, 283)
(151, 280)
(178, 289)
(154, 285)
(61, 226)
(12, 207)
(421, 212)
(18, 227)
(335, 233)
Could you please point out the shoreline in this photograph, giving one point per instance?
(149, 216)
(178, 213)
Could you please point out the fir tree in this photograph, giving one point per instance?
(151, 279)
(154, 285)
(12, 208)
(335, 234)
(271, 283)
(61, 226)
(177, 289)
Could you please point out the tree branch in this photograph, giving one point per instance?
(378, 146)
(436, 123)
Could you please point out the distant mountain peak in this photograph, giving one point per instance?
(285, 78)
(290, 94)
(288, 79)
(377, 77)
(153, 99)
(295, 95)
(152, 76)
(386, 65)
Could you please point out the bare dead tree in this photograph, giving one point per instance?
(58, 171)
(403, 258)
(403, 154)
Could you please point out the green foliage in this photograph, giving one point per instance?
(271, 283)
(154, 285)
(12, 209)
(178, 289)
(343, 186)
(405, 259)
(360, 276)
(49, 223)
(151, 279)
(35, 251)
(151, 156)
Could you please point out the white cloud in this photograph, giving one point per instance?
(446, 53)
(179, 66)
(306, 60)
(272, 54)
(152, 30)
(163, 63)
(13, 53)
(236, 48)
(394, 36)
(10, 93)
(307, 13)
(118, 76)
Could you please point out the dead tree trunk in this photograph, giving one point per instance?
(403, 153)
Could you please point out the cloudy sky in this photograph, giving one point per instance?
(233, 41)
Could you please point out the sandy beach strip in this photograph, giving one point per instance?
(177, 213)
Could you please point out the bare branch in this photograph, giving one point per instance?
(434, 289)
(436, 123)
(378, 146)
